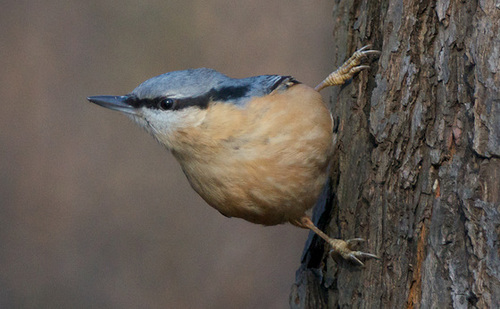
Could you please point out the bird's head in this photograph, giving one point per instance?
(167, 101)
(181, 99)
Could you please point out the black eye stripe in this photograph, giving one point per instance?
(229, 93)
(136, 103)
(164, 103)
(221, 94)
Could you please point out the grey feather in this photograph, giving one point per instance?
(194, 83)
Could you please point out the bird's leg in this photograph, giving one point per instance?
(348, 69)
(342, 248)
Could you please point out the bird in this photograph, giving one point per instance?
(256, 148)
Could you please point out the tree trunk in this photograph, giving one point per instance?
(417, 170)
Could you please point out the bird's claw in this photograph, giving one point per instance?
(344, 249)
(348, 68)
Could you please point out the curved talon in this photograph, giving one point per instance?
(372, 51)
(363, 52)
(359, 68)
(352, 242)
(353, 258)
(366, 255)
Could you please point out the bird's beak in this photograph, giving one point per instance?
(118, 103)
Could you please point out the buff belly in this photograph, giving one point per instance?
(266, 163)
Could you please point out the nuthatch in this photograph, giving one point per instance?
(256, 148)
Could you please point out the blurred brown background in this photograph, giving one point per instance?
(93, 212)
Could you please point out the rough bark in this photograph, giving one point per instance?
(418, 167)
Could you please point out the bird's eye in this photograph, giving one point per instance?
(166, 103)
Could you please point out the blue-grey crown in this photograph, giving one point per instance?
(199, 87)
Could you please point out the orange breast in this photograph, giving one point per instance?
(266, 162)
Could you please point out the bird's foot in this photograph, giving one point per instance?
(340, 248)
(345, 250)
(348, 69)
